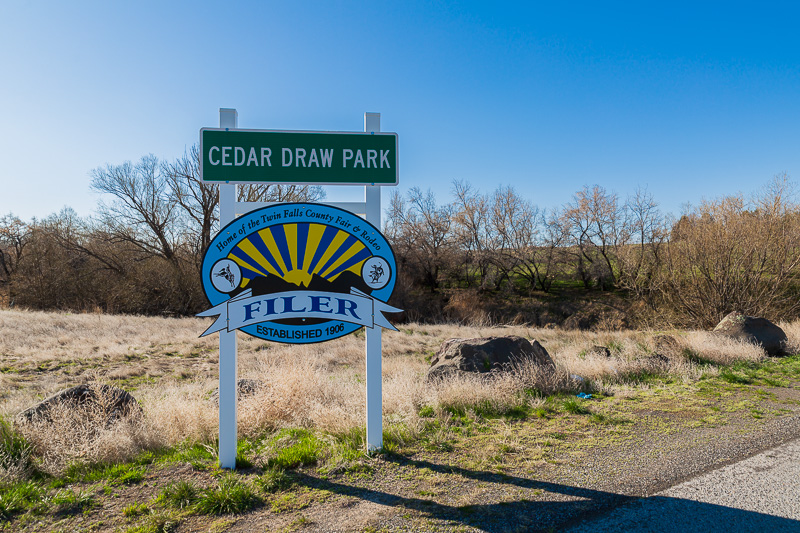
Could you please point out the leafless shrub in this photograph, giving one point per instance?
(466, 307)
(721, 350)
(736, 254)
(792, 330)
(180, 413)
(86, 434)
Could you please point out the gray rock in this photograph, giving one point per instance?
(666, 345)
(112, 401)
(247, 387)
(658, 360)
(600, 350)
(486, 355)
(756, 330)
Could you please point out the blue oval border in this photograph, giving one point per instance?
(234, 232)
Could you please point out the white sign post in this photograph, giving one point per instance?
(228, 366)
(229, 208)
(372, 199)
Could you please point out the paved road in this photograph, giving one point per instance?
(759, 494)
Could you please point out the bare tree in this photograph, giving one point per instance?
(598, 230)
(550, 260)
(141, 212)
(537, 242)
(271, 192)
(15, 235)
(471, 230)
(197, 199)
(421, 231)
(85, 237)
(641, 260)
(515, 225)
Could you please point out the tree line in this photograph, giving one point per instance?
(142, 249)
(141, 252)
(730, 253)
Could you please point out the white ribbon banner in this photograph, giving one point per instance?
(245, 309)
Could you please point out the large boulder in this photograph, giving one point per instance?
(485, 355)
(753, 329)
(111, 402)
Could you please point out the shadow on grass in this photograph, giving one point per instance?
(564, 506)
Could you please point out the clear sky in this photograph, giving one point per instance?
(689, 101)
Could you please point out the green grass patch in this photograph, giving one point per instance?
(156, 523)
(180, 494)
(274, 480)
(396, 436)
(244, 450)
(574, 406)
(200, 456)
(347, 446)
(489, 410)
(231, 496)
(69, 502)
(16, 498)
(288, 502)
(427, 412)
(646, 376)
(438, 440)
(729, 376)
(14, 449)
(541, 412)
(608, 420)
(773, 381)
(135, 509)
(114, 475)
(295, 447)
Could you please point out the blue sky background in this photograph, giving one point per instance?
(687, 101)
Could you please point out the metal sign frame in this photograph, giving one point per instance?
(229, 208)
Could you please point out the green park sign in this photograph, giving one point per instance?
(302, 157)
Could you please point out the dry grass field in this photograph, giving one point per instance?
(172, 372)
(316, 388)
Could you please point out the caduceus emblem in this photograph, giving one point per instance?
(227, 274)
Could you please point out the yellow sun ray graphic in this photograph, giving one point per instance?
(297, 252)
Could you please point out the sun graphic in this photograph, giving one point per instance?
(298, 252)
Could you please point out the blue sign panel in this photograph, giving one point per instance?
(299, 274)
